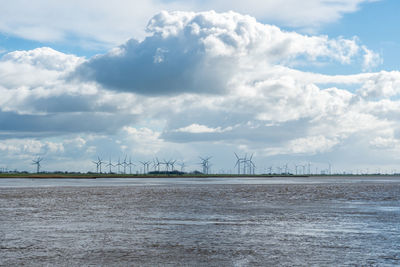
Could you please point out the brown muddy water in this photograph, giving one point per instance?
(194, 222)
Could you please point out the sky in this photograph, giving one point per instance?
(292, 82)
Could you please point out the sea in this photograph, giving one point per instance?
(241, 221)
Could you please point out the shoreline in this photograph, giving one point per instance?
(119, 176)
(165, 176)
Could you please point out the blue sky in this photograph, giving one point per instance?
(291, 82)
(375, 24)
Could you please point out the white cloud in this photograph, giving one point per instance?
(301, 14)
(91, 23)
(36, 97)
(29, 146)
(206, 53)
(381, 85)
(384, 143)
(307, 145)
(145, 144)
(44, 58)
(197, 128)
(371, 59)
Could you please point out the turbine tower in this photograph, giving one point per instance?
(156, 164)
(286, 168)
(252, 166)
(166, 163)
(146, 165)
(172, 163)
(205, 163)
(238, 161)
(130, 164)
(270, 169)
(37, 163)
(125, 164)
(109, 164)
(246, 163)
(97, 165)
(183, 165)
(100, 162)
(119, 165)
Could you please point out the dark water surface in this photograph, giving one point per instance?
(199, 222)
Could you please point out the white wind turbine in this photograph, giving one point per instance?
(125, 164)
(252, 166)
(109, 164)
(98, 163)
(243, 161)
(37, 163)
(172, 163)
(119, 165)
(205, 163)
(146, 165)
(156, 164)
(166, 163)
(130, 165)
(182, 165)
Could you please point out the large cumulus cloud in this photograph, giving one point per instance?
(205, 52)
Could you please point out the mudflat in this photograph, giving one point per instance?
(214, 223)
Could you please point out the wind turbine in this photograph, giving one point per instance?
(253, 167)
(145, 166)
(125, 164)
(286, 169)
(297, 167)
(244, 161)
(247, 164)
(109, 164)
(166, 163)
(208, 167)
(183, 165)
(100, 162)
(237, 162)
(97, 165)
(270, 169)
(37, 163)
(206, 164)
(130, 165)
(119, 165)
(251, 164)
(156, 164)
(172, 163)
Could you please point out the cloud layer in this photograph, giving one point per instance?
(37, 98)
(202, 83)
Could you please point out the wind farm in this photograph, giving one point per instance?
(243, 165)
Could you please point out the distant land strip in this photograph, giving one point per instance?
(107, 175)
